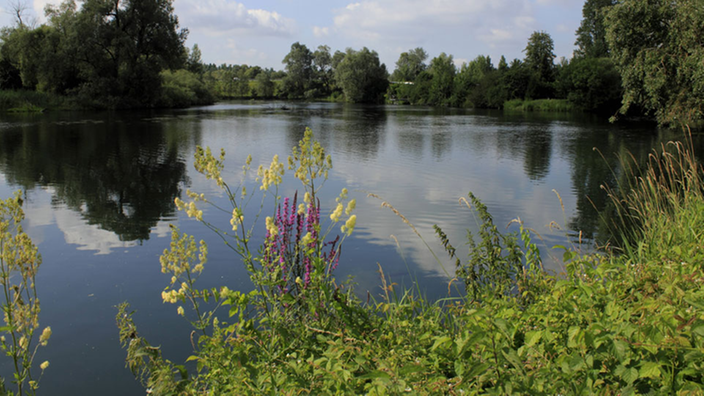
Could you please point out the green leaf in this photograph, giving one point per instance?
(533, 337)
(440, 341)
(192, 357)
(376, 374)
(630, 375)
(573, 337)
(620, 347)
(411, 368)
(512, 358)
(650, 370)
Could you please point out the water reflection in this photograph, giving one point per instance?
(120, 174)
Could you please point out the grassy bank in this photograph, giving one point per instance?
(554, 105)
(611, 324)
(22, 101)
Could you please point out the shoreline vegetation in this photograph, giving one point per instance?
(627, 320)
(620, 68)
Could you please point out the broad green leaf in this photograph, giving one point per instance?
(650, 370)
(533, 337)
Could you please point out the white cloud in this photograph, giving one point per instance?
(412, 20)
(320, 31)
(219, 17)
(235, 54)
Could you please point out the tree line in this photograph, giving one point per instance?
(632, 57)
(104, 54)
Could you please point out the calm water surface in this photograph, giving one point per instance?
(100, 189)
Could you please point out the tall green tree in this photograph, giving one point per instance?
(443, 70)
(323, 73)
(658, 49)
(591, 35)
(410, 64)
(299, 70)
(194, 63)
(540, 61)
(362, 77)
(124, 45)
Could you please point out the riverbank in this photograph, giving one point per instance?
(618, 322)
(23, 101)
(549, 105)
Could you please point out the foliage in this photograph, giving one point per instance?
(32, 99)
(183, 88)
(19, 263)
(299, 70)
(362, 78)
(591, 35)
(591, 84)
(552, 105)
(409, 65)
(611, 324)
(656, 47)
(540, 61)
(496, 266)
(442, 68)
(107, 53)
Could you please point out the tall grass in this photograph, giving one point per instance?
(646, 196)
(547, 105)
(31, 101)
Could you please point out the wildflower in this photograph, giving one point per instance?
(299, 281)
(350, 206)
(301, 209)
(194, 212)
(271, 227)
(306, 240)
(335, 216)
(307, 198)
(180, 311)
(44, 365)
(23, 342)
(237, 218)
(46, 334)
(349, 225)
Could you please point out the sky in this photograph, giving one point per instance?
(261, 32)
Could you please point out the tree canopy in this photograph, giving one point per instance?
(658, 49)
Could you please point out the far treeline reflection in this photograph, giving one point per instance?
(122, 176)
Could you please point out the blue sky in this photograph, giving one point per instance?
(261, 32)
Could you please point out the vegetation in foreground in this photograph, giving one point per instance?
(612, 323)
(19, 262)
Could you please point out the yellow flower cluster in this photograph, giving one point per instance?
(46, 334)
(349, 225)
(335, 216)
(273, 175)
(311, 159)
(271, 226)
(190, 208)
(208, 165)
(306, 240)
(195, 196)
(170, 296)
(237, 218)
(350, 206)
